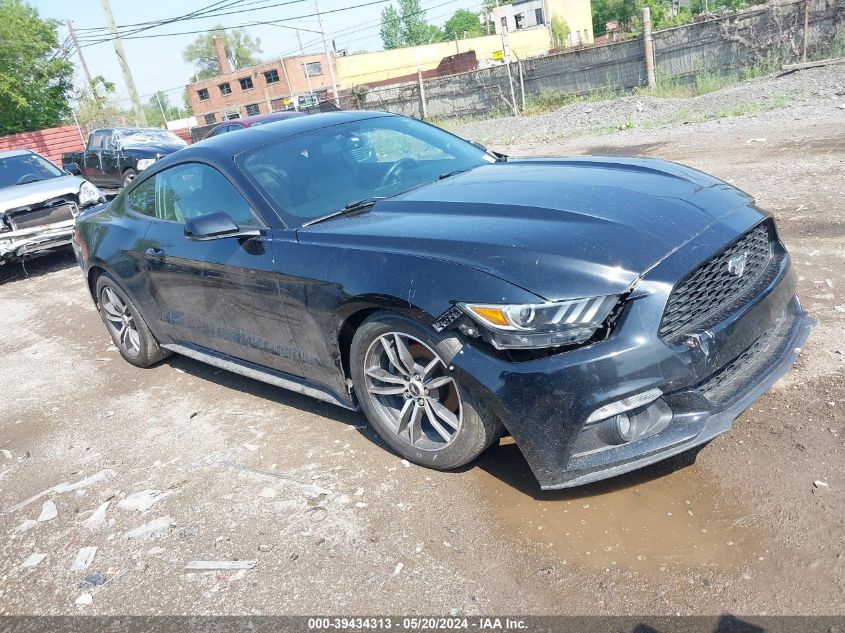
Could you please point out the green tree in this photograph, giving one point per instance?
(241, 50)
(463, 23)
(623, 12)
(153, 110)
(97, 106)
(406, 26)
(391, 28)
(35, 80)
(560, 32)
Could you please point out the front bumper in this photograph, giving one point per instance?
(545, 403)
(16, 245)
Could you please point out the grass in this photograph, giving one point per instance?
(550, 100)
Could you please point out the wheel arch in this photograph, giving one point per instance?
(353, 313)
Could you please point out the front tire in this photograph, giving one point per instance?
(127, 328)
(401, 375)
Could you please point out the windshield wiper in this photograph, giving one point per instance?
(352, 207)
(451, 173)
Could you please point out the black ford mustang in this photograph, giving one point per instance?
(607, 313)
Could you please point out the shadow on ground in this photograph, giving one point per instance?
(37, 266)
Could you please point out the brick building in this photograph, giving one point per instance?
(267, 87)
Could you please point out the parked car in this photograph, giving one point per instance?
(38, 204)
(251, 121)
(605, 312)
(114, 156)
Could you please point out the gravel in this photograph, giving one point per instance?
(815, 85)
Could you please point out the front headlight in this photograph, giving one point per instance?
(534, 326)
(145, 162)
(88, 194)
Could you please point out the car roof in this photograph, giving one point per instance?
(254, 136)
(271, 116)
(15, 152)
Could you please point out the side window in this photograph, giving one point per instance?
(96, 141)
(142, 198)
(190, 190)
(107, 141)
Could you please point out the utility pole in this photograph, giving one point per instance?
(79, 52)
(326, 48)
(161, 107)
(648, 44)
(124, 66)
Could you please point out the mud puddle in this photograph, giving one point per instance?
(658, 518)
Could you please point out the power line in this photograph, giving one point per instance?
(202, 16)
(254, 23)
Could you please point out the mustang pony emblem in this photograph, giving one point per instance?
(736, 264)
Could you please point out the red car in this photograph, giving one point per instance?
(251, 121)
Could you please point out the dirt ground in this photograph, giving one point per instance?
(338, 524)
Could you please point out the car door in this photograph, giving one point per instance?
(109, 160)
(92, 169)
(222, 294)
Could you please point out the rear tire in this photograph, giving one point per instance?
(127, 327)
(412, 399)
(129, 176)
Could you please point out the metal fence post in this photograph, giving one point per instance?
(521, 83)
(423, 106)
(649, 48)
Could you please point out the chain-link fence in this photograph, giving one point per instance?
(719, 44)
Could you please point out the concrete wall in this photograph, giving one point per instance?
(718, 45)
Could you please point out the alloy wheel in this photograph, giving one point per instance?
(121, 322)
(408, 384)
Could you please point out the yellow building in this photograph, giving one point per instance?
(361, 68)
(525, 14)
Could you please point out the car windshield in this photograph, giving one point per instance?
(138, 137)
(316, 173)
(26, 168)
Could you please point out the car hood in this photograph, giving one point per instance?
(150, 150)
(37, 192)
(563, 228)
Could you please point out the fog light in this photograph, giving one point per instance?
(625, 404)
(620, 429)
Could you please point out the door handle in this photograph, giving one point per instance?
(156, 253)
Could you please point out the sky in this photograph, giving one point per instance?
(157, 63)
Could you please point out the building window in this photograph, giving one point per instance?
(519, 18)
(246, 83)
(538, 16)
(202, 93)
(313, 69)
(210, 119)
(225, 89)
(586, 37)
(232, 115)
(271, 76)
(253, 109)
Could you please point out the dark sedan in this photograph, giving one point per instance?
(605, 312)
(233, 125)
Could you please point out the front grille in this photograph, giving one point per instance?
(56, 210)
(730, 380)
(713, 289)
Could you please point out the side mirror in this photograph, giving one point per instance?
(215, 226)
(73, 169)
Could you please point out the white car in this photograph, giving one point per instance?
(38, 204)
